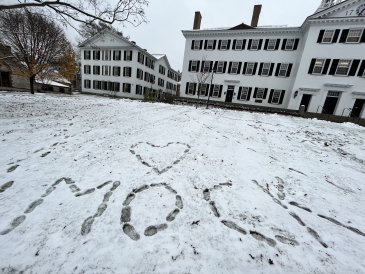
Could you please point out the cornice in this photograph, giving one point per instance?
(235, 32)
(310, 89)
(337, 85)
(335, 9)
(358, 93)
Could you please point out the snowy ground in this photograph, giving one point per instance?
(224, 191)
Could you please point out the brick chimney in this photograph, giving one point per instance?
(256, 15)
(197, 20)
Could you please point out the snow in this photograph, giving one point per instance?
(51, 83)
(255, 171)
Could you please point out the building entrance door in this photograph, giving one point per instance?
(229, 95)
(306, 99)
(358, 106)
(331, 102)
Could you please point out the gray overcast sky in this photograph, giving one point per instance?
(168, 17)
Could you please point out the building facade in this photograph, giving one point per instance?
(320, 64)
(110, 64)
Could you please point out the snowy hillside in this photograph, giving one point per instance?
(97, 185)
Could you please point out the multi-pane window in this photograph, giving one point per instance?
(234, 69)
(327, 36)
(152, 79)
(128, 55)
(148, 61)
(203, 89)
(96, 54)
(161, 82)
(224, 44)
(104, 85)
(106, 70)
(318, 66)
(152, 64)
(138, 89)
(220, 67)
(216, 91)
(117, 55)
(197, 44)
(86, 69)
(191, 88)
(210, 44)
(116, 71)
(283, 70)
(239, 44)
(96, 84)
(140, 58)
(96, 70)
(333, 94)
(271, 45)
(194, 66)
(289, 44)
(206, 66)
(260, 93)
(249, 69)
(244, 93)
(255, 44)
(116, 86)
(139, 74)
(87, 84)
(127, 71)
(127, 87)
(87, 55)
(343, 67)
(106, 55)
(354, 36)
(265, 69)
(276, 96)
(162, 70)
(146, 76)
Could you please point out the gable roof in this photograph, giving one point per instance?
(333, 8)
(241, 26)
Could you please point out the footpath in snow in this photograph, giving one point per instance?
(98, 185)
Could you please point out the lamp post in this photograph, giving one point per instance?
(211, 82)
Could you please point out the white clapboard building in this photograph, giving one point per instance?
(320, 64)
(113, 65)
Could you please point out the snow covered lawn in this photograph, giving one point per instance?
(97, 185)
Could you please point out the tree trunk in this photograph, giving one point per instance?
(31, 81)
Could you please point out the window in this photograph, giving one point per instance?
(127, 88)
(318, 66)
(220, 67)
(194, 66)
(196, 44)
(216, 91)
(333, 94)
(138, 89)
(152, 79)
(239, 45)
(104, 85)
(260, 93)
(162, 70)
(87, 83)
(96, 84)
(224, 45)
(206, 66)
(87, 55)
(146, 76)
(234, 68)
(255, 44)
(249, 69)
(272, 44)
(117, 55)
(244, 93)
(161, 82)
(5, 79)
(210, 44)
(289, 44)
(265, 69)
(140, 58)
(152, 64)
(128, 55)
(276, 96)
(283, 70)
(96, 70)
(327, 36)
(106, 70)
(96, 54)
(106, 55)
(116, 86)
(116, 71)
(343, 67)
(203, 89)
(354, 36)
(140, 74)
(87, 69)
(191, 89)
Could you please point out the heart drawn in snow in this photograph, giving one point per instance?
(160, 158)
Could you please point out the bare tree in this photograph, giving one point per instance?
(36, 42)
(87, 30)
(86, 11)
(201, 78)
